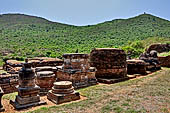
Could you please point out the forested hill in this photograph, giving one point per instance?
(29, 36)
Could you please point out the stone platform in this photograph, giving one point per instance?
(63, 92)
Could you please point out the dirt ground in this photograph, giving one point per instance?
(10, 109)
(144, 94)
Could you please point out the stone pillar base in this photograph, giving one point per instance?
(61, 98)
(18, 106)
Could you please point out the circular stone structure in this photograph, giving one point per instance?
(110, 62)
(63, 91)
(45, 80)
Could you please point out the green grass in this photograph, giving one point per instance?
(132, 96)
(10, 96)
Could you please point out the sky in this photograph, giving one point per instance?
(86, 12)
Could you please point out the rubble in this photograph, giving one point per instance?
(151, 60)
(63, 91)
(76, 68)
(28, 91)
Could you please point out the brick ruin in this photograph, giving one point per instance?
(45, 61)
(28, 91)
(8, 83)
(110, 62)
(12, 66)
(45, 80)
(159, 48)
(136, 66)
(76, 68)
(63, 91)
(164, 61)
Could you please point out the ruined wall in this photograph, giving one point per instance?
(8, 83)
(136, 67)
(110, 62)
(159, 47)
(164, 61)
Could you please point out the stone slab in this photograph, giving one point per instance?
(18, 106)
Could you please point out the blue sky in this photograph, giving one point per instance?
(86, 12)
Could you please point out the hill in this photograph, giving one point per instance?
(29, 36)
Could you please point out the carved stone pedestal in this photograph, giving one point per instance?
(45, 80)
(28, 91)
(63, 92)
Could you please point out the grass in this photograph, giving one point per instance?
(147, 94)
(10, 96)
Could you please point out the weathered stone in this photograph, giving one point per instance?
(110, 62)
(151, 60)
(8, 83)
(76, 68)
(28, 91)
(62, 92)
(136, 66)
(159, 48)
(164, 61)
(45, 80)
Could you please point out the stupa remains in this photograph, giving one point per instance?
(28, 91)
(76, 68)
(63, 91)
(110, 64)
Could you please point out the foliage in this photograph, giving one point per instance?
(28, 36)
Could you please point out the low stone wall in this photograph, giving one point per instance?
(8, 83)
(164, 61)
(136, 66)
(159, 47)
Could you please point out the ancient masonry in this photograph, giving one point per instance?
(76, 68)
(44, 61)
(45, 80)
(28, 91)
(164, 61)
(8, 83)
(63, 91)
(136, 66)
(110, 62)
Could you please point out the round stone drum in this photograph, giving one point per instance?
(45, 80)
(110, 62)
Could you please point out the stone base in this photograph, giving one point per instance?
(111, 81)
(61, 98)
(2, 109)
(18, 106)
